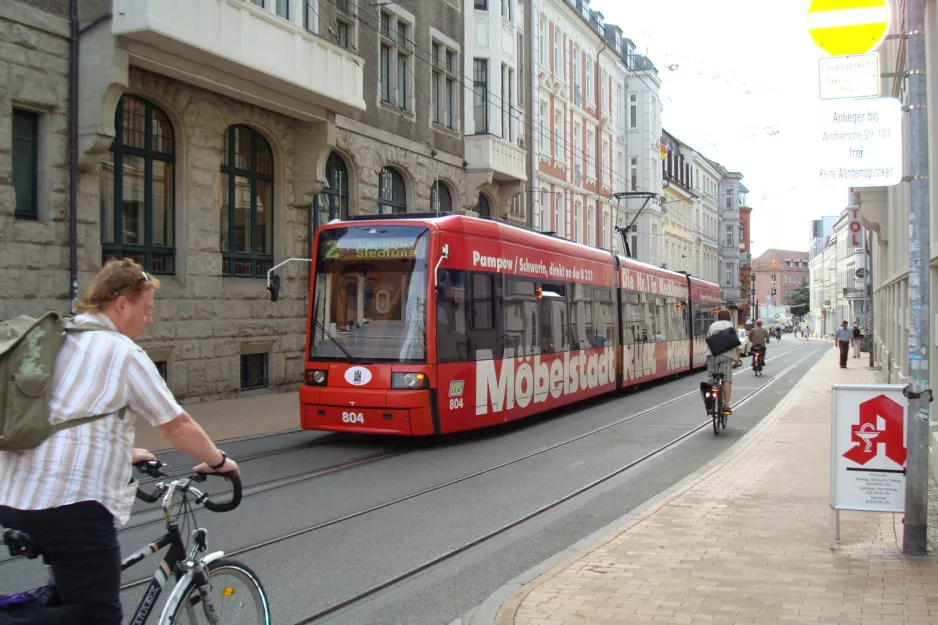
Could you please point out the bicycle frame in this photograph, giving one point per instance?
(171, 563)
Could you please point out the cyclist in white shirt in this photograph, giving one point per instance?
(725, 362)
(67, 492)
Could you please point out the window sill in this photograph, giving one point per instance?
(387, 106)
(448, 131)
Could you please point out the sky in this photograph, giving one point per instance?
(740, 85)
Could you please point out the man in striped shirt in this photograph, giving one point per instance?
(67, 492)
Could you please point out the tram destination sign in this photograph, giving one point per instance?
(859, 142)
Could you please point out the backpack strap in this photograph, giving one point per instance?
(71, 326)
(71, 423)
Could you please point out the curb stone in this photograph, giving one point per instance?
(499, 608)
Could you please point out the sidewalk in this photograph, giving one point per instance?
(233, 418)
(746, 542)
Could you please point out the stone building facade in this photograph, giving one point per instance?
(195, 159)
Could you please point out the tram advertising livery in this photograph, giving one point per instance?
(437, 325)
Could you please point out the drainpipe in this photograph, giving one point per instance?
(73, 153)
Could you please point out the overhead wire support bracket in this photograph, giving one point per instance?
(624, 231)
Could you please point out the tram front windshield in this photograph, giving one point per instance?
(371, 294)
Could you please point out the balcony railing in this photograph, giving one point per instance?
(505, 159)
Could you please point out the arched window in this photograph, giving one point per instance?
(440, 198)
(392, 195)
(246, 203)
(484, 209)
(137, 188)
(332, 203)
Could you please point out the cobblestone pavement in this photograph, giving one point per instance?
(747, 543)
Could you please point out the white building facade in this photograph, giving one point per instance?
(573, 144)
(496, 87)
(642, 111)
(706, 185)
(732, 196)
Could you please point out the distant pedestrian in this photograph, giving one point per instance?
(857, 340)
(842, 339)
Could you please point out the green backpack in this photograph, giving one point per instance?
(28, 350)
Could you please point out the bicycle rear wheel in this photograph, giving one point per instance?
(715, 415)
(235, 591)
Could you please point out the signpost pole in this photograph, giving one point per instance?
(916, 493)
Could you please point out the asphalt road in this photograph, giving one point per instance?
(303, 480)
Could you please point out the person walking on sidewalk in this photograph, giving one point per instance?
(857, 339)
(67, 492)
(842, 339)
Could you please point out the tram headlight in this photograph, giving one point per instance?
(316, 377)
(411, 381)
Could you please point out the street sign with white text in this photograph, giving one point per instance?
(855, 76)
(859, 142)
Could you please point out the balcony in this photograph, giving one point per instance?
(505, 160)
(238, 49)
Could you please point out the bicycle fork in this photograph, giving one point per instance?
(201, 579)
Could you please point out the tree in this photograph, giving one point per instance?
(801, 300)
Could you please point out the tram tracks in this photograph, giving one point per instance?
(426, 491)
(448, 555)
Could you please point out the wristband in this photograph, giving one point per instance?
(224, 459)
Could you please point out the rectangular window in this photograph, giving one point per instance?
(590, 154)
(555, 326)
(558, 59)
(577, 221)
(435, 78)
(163, 367)
(283, 9)
(385, 63)
(729, 274)
(729, 236)
(480, 95)
(452, 333)
(506, 104)
(590, 93)
(559, 214)
(633, 111)
(542, 35)
(577, 89)
(443, 85)
(606, 171)
(742, 234)
(521, 318)
(511, 103)
(26, 164)
(402, 94)
(729, 198)
(506, 9)
(520, 69)
(254, 371)
(545, 130)
(590, 228)
(481, 5)
(633, 172)
(558, 135)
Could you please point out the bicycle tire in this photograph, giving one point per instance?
(191, 597)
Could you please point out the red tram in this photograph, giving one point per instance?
(423, 326)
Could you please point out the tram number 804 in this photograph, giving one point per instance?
(353, 417)
(455, 403)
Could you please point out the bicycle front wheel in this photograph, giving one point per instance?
(234, 593)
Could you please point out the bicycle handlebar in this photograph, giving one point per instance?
(154, 468)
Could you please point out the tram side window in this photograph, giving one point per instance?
(604, 317)
(581, 315)
(633, 319)
(657, 314)
(482, 316)
(677, 329)
(555, 326)
(452, 336)
(521, 318)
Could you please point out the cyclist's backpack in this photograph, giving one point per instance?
(28, 350)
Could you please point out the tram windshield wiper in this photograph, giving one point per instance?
(337, 344)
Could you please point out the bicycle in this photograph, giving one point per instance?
(715, 405)
(758, 360)
(199, 575)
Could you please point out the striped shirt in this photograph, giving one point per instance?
(95, 373)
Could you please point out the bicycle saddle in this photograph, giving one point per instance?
(20, 544)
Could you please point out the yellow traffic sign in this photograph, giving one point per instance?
(842, 27)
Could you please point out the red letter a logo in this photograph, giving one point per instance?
(868, 437)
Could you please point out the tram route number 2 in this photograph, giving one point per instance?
(455, 403)
(353, 417)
